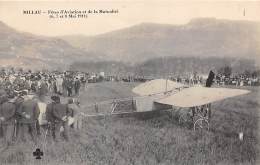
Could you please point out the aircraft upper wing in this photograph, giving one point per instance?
(196, 96)
(156, 86)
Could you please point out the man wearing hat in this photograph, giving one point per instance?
(57, 114)
(28, 113)
(7, 119)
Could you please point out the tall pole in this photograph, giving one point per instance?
(165, 74)
(166, 84)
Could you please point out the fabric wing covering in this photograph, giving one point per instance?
(196, 96)
(156, 86)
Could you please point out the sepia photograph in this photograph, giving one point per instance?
(136, 82)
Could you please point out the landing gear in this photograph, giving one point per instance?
(185, 118)
(201, 117)
(181, 115)
(201, 124)
(198, 117)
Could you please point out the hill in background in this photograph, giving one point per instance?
(26, 50)
(200, 38)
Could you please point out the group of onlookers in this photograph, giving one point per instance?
(65, 84)
(20, 116)
(238, 80)
(24, 105)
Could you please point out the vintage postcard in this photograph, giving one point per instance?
(129, 82)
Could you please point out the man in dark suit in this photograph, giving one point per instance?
(7, 119)
(57, 114)
(77, 86)
(210, 79)
(28, 113)
(69, 86)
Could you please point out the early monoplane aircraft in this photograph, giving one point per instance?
(164, 94)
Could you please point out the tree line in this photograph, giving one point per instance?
(169, 66)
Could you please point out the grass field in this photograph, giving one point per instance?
(151, 138)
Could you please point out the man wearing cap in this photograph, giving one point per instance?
(7, 119)
(28, 113)
(57, 114)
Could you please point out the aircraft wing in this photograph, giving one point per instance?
(156, 86)
(196, 96)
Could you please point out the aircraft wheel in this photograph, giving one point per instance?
(201, 124)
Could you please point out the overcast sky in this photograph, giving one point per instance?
(130, 13)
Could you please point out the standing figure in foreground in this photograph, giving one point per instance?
(74, 108)
(28, 113)
(57, 114)
(7, 119)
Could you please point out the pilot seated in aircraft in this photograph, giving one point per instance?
(210, 79)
